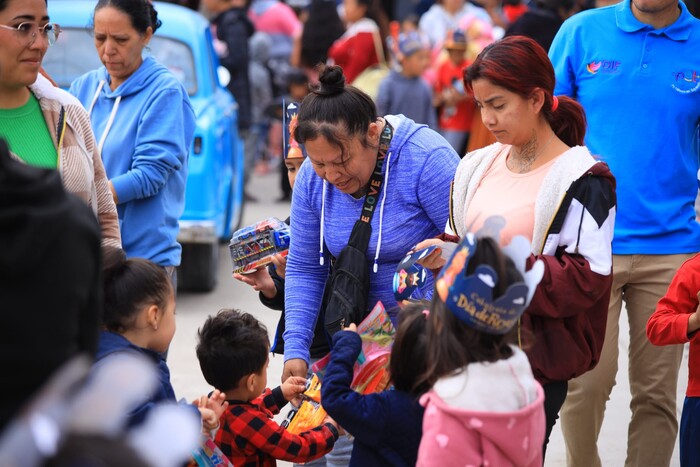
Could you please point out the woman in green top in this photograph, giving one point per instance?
(43, 125)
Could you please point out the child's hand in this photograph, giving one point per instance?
(351, 328)
(280, 263)
(216, 402)
(694, 320)
(260, 280)
(293, 387)
(434, 260)
(210, 421)
(450, 97)
(211, 409)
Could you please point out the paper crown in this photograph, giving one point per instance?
(292, 149)
(410, 275)
(456, 39)
(470, 298)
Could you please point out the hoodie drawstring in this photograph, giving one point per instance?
(323, 206)
(385, 141)
(381, 218)
(112, 116)
(97, 94)
(381, 213)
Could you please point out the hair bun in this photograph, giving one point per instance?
(332, 81)
(153, 16)
(113, 260)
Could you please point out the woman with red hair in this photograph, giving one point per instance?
(547, 187)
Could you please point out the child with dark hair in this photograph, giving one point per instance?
(233, 353)
(404, 91)
(485, 406)
(455, 105)
(139, 318)
(387, 426)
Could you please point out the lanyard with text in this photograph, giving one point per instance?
(377, 178)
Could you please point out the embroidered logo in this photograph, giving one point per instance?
(685, 81)
(603, 66)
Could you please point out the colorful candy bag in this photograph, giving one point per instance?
(310, 413)
(371, 372)
(209, 455)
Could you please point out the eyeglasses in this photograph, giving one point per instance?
(28, 31)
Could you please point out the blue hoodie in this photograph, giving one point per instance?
(413, 206)
(144, 150)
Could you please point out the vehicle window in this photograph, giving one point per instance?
(70, 57)
(177, 56)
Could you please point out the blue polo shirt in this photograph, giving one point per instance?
(640, 88)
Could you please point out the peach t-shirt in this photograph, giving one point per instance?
(509, 195)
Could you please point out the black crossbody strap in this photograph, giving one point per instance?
(377, 178)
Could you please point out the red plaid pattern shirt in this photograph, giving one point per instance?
(250, 438)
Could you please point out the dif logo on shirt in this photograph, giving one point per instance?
(686, 81)
(603, 66)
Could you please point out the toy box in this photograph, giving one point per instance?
(252, 247)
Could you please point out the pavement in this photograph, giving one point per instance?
(192, 310)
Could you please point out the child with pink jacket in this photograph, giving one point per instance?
(485, 406)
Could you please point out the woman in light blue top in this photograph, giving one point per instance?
(340, 129)
(144, 124)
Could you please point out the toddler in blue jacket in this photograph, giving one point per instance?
(387, 426)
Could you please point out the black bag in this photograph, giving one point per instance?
(347, 289)
(345, 295)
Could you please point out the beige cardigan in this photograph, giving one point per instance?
(80, 166)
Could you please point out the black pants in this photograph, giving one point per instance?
(554, 397)
(284, 182)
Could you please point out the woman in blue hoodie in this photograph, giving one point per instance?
(340, 129)
(144, 124)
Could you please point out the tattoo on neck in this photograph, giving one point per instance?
(522, 161)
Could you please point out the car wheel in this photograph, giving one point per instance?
(198, 267)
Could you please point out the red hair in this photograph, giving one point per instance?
(520, 65)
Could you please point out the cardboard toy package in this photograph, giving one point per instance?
(253, 247)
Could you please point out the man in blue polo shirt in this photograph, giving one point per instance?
(635, 68)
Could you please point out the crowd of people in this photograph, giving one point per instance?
(503, 139)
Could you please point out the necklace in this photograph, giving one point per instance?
(524, 161)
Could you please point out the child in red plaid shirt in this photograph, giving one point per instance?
(233, 353)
